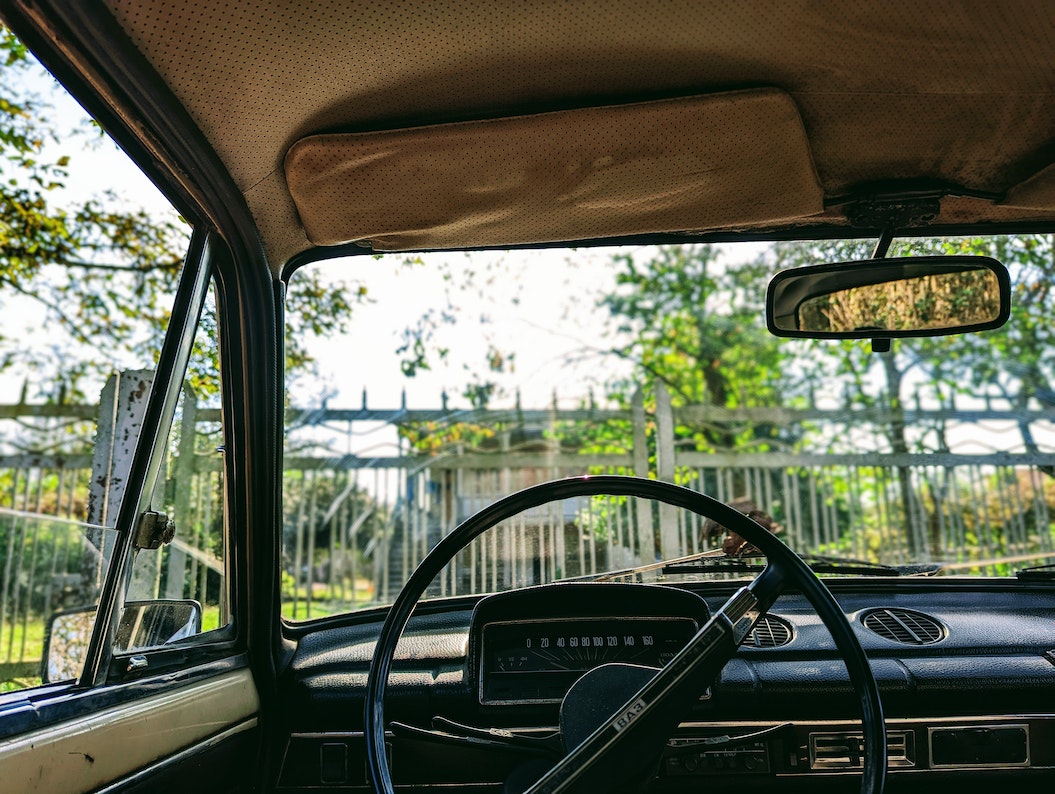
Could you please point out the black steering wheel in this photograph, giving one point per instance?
(636, 732)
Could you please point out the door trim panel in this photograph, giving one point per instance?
(119, 742)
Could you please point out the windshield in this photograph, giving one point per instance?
(436, 384)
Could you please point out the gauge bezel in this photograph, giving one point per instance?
(622, 620)
(564, 602)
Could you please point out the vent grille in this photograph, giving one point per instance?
(769, 632)
(901, 625)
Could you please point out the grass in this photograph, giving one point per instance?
(22, 644)
(210, 617)
(20, 662)
(325, 601)
(12, 638)
(17, 684)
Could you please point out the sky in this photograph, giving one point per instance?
(543, 307)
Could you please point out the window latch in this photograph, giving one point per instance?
(153, 530)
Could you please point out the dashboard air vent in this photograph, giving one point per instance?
(901, 625)
(769, 632)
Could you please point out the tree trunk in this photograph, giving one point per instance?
(910, 508)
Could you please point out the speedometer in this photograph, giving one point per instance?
(537, 661)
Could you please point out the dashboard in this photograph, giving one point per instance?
(966, 670)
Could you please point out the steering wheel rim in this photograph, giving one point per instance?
(831, 614)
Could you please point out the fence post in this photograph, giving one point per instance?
(669, 536)
(183, 478)
(120, 419)
(646, 540)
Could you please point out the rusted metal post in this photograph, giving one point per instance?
(121, 405)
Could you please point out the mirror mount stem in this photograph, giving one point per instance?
(881, 344)
(883, 243)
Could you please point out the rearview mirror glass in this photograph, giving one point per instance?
(144, 624)
(917, 296)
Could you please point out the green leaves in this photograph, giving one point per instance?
(99, 275)
(687, 319)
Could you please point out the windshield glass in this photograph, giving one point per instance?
(433, 385)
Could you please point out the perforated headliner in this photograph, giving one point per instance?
(960, 92)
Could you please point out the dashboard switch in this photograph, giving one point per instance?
(333, 762)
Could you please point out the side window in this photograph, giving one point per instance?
(52, 571)
(179, 589)
(53, 562)
(62, 477)
(87, 279)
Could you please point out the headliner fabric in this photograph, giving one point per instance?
(729, 160)
(954, 91)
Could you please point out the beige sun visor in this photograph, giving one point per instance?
(731, 160)
(1037, 192)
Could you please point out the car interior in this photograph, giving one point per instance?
(574, 577)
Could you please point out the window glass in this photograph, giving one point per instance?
(191, 569)
(91, 257)
(54, 567)
(462, 377)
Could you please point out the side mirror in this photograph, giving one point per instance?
(889, 298)
(144, 624)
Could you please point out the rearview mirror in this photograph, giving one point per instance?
(888, 298)
(144, 624)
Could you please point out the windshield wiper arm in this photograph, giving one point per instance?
(652, 566)
(717, 561)
(848, 565)
(817, 563)
(1037, 573)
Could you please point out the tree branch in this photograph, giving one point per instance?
(71, 326)
(623, 354)
(172, 266)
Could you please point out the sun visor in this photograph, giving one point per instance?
(1036, 193)
(733, 160)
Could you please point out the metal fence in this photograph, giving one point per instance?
(356, 525)
(974, 511)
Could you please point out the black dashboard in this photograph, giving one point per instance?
(966, 669)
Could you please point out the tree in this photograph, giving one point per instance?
(686, 320)
(677, 314)
(101, 275)
(1015, 362)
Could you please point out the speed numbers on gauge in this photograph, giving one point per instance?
(584, 646)
(538, 660)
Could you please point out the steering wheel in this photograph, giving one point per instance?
(636, 732)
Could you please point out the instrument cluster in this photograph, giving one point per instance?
(530, 646)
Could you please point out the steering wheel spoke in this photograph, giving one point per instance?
(656, 709)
